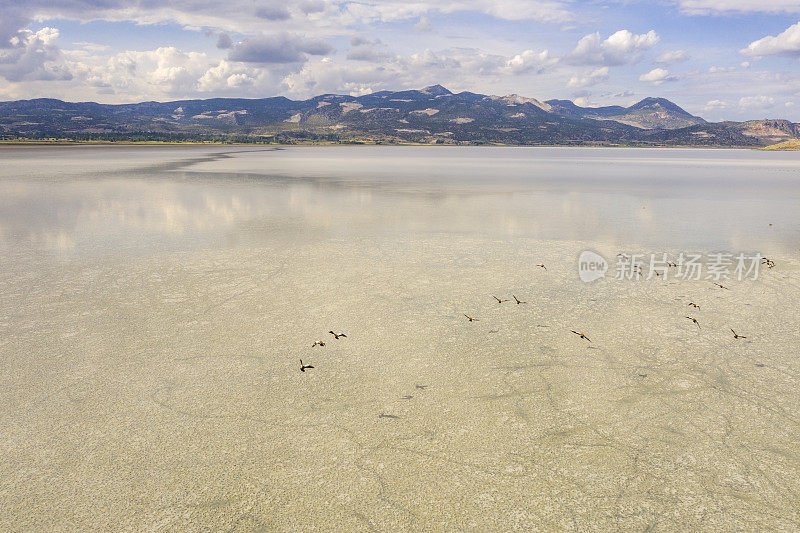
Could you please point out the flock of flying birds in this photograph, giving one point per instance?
(336, 336)
(765, 261)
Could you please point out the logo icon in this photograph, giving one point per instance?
(591, 266)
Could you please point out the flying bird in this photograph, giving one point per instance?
(721, 286)
(318, 343)
(471, 319)
(692, 304)
(498, 299)
(518, 300)
(542, 265)
(737, 336)
(581, 335)
(694, 320)
(304, 367)
(336, 336)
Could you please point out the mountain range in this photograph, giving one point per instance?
(430, 115)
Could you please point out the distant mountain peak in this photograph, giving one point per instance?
(515, 99)
(435, 90)
(659, 102)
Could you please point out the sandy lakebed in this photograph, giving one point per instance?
(155, 303)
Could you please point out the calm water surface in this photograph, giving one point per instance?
(68, 201)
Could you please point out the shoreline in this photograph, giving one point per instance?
(365, 143)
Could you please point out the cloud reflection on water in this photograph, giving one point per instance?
(666, 199)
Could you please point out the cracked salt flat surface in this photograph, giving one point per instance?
(156, 385)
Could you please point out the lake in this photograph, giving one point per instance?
(156, 301)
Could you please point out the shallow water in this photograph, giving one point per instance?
(155, 303)
(77, 200)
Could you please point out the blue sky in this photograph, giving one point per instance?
(721, 59)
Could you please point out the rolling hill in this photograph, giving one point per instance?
(429, 115)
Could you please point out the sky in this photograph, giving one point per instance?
(720, 59)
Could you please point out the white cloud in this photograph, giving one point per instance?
(246, 15)
(786, 43)
(226, 76)
(170, 69)
(756, 102)
(712, 7)
(553, 11)
(593, 78)
(423, 25)
(673, 56)
(166, 73)
(715, 105)
(530, 61)
(620, 48)
(583, 101)
(657, 76)
(33, 56)
(455, 67)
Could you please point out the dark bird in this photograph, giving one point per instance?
(318, 343)
(581, 335)
(471, 319)
(692, 304)
(498, 299)
(737, 336)
(694, 320)
(335, 336)
(675, 265)
(542, 265)
(303, 367)
(518, 300)
(657, 273)
(721, 286)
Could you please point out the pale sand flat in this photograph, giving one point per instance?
(151, 326)
(164, 393)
